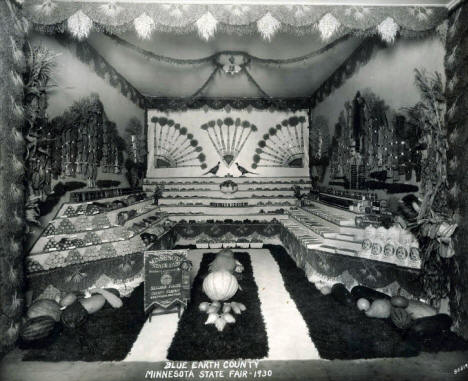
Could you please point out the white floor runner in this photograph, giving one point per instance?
(288, 336)
(156, 336)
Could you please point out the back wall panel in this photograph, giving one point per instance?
(277, 145)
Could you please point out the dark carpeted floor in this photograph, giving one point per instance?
(246, 338)
(342, 332)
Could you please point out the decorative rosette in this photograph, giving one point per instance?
(414, 252)
(366, 244)
(377, 247)
(401, 253)
(389, 249)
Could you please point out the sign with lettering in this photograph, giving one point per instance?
(167, 279)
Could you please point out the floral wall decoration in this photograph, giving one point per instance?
(206, 20)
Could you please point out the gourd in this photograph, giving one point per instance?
(45, 307)
(430, 325)
(341, 294)
(74, 315)
(325, 290)
(400, 318)
(37, 328)
(114, 291)
(379, 308)
(417, 309)
(368, 293)
(113, 300)
(399, 301)
(94, 303)
(363, 304)
(68, 299)
(220, 285)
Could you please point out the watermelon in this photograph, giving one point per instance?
(400, 318)
(430, 325)
(368, 293)
(37, 328)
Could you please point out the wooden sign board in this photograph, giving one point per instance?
(167, 281)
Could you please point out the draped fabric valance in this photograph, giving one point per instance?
(79, 17)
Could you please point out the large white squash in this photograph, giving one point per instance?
(220, 285)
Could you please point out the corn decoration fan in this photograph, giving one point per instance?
(228, 137)
(174, 147)
(283, 146)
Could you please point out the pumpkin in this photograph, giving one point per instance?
(417, 309)
(380, 309)
(45, 307)
(68, 299)
(400, 318)
(340, 293)
(37, 328)
(430, 325)
(94, 303)
(363, 304)
(368, 293)
(220, 285)
(74, 315)
(203, 307)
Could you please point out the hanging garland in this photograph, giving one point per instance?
(206, 20)
(205, 84)
(213, 57)
(181, 104)
(254, 82)
(358, 58)
(88, 55)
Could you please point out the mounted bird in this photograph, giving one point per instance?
(244, 171)
(213, 170)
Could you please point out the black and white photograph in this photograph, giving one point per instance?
(233, 190)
